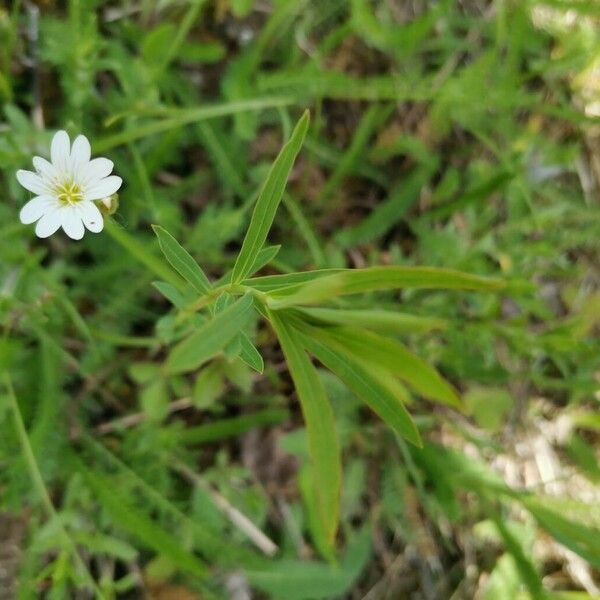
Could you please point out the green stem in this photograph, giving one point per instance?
(40, 486)
(234, 289)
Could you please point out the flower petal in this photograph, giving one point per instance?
(92, 217)
(104, 187)
(60, 150)
(95, 170)
(36, 208)
(33, 182)
(81, 153)
(45, 168)
(49, 223)
(71, 222)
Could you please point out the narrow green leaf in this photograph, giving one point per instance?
(212, 337)
(170, 292)
(99, 543)
(387, 214)
(268, 283)
(264, 257)
(299, 580)
(250, 355)
(576, 536)
(378, 278)
(453, 469)
(268, 201)
(154, 400)
(362, 134)
(320, 426)
(181, 260)
(235, 426)
(307, 486)
(527, 570)
(131, 519)
(388, 321)
(208, 386)
(364, 383)
(393, 356)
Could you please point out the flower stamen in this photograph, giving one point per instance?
(69, 192)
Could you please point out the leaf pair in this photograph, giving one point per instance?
(372, 367)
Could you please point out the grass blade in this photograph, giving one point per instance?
(185, 116)
(132, 520)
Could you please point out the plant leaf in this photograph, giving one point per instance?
(364, 383)
(393, 356)
(300, 580)
(232, 427)
(268, 201)
(209, 339)
(181, 260)
(320, 426)
(527, 570)
(267, 283)
(250, 355)
(357, 281)
(171, 293)
(264, 257)
(576, 536)
(389, 321)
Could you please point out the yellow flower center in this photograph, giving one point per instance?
(68, 192)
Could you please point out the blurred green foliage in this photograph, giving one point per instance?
(459, 135)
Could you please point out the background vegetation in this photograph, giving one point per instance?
(462, 134)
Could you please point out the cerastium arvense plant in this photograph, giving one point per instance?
(358, 346)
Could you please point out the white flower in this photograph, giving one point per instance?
(66, 188)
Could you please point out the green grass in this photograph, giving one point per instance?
(450, 161)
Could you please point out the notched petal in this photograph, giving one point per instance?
(48, 224)
(32, 181)
(60, 150)
(92, 217)
(105, 187)
(81, 152)
(35, 209)
(95, 170)
(71, 223)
